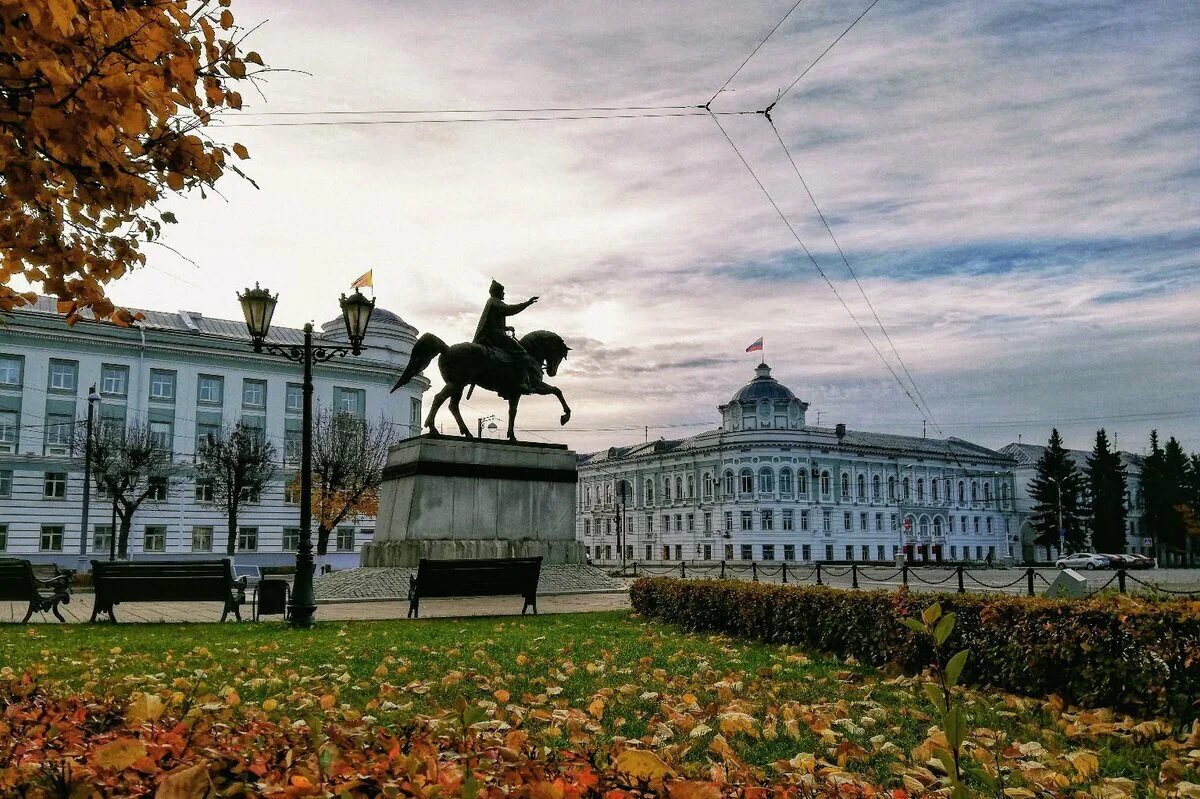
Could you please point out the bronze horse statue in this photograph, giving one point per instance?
(467, 364)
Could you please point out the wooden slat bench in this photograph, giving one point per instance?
(166, 581)
(483, 577)
(19, 583)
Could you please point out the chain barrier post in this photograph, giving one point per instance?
(1029, 576)
(904, 574)
(854, 575)
(754, 571)
(722, 568)
(682, 570)
(819, 573)
(1121, 580)
(785, 572)
(961, 589)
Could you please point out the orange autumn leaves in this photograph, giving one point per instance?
(106, 105)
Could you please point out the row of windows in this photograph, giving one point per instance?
(769, 552)
(54, 486)
(154, 538)
(789, 482)
(686, 522)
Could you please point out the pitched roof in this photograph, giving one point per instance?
(1029, 454)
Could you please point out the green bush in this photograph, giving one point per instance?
(1112, 652)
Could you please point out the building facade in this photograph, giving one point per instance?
(1027, 456)
(767, 486)
(185, 376)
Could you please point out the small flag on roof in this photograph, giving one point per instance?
(756, 346)
(367, 279)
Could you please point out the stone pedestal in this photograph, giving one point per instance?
(446, 497)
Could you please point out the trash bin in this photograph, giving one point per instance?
(271, 598)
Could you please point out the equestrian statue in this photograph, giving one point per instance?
(495, 360)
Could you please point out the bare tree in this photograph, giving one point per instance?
(238, 462)
(128, 463)
(348, 456)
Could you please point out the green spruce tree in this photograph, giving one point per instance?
(1056, 490)
(1175, 496)
(1106, 486)
(1154, 501)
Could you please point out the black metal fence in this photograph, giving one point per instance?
(1030, 579)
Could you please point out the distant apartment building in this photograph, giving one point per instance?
(185, 375)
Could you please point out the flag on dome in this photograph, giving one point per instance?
(756, 346)
(367, 279)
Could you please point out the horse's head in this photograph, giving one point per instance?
(547, 347)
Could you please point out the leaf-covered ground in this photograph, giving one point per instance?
(714, 710)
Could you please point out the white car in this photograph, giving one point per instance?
(1083, 560)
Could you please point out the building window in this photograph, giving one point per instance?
(291, 539)
(666, 489)
(806, 552)
(891, 489)
(5, 482)
(210, 390)
(827, 521)
(846, 522)
(961, 492)
(291, 493)
(768, 552)
(978, 553)
(989, 524)
(202, 538)
(102, 538)
(158, 489)
(849, 552)
(114, 380)
(3, 537)
(937, 524)
(350, 400)
(204, 490)
(789, 521)
(678, 523)
(963, 521)
(953, 552)
(804, 520)
(51, 539)
(987, 493)
(155, 539)
(649, 492)
(933, 490)
(162, 385)
(729, 552)
(163, 435)
(766, 480)
(801, 481)
(879, 522)
(55, 485)
(587, 528)
(950, 524)
(894, 522)
(649, 552)
(8, 431)
(829, 552)
(862, 486)
(691, 486)
(920, 489)
(728, 520)
(747, 552)
(10, 370)
(866, 552)
(975, 521)
(650, 523)
(789, 551)
(768, 520)
(906, 487)
(875, 485)
(746, 482)
(845, 486)
(691, 522)
(63, 375)
(294, 402)
(747, 516)
(785, 481)
(974, 491)
(862, 522)
(58, 433)
(707, 522)
(345, 539)
(825, 487)
(247, 540)
(254, 393)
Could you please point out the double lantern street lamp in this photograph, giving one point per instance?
(258, 306)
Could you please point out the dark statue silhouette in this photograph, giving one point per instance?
(495, 360)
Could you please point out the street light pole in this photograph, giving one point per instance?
(258, 306)
(93, 398)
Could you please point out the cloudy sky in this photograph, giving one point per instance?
(1016, 184)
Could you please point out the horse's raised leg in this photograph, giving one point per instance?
(512, 417)
(438, 399)
(546, 388)
(456, 395)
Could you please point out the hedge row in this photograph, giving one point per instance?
(1110, 652)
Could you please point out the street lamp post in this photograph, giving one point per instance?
(258, 306)
(93, 400)
(1062, 534)
(491, 420)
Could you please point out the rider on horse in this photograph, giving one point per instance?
(493, 332)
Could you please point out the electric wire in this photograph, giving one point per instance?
(824, 52)
(755, 50)
(479, 120)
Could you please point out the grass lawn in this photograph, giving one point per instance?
(590, 680)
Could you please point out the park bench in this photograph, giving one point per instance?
(19, 583)
(483, 577)
(166, 581)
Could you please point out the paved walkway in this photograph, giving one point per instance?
(80, 609)
(377, 582)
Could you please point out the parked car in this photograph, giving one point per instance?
(1083, 560)
(1118, 560)
(1141, 562)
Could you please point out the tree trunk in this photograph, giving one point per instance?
(322, 540)
(123, 541)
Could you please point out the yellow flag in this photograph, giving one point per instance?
(367, 279)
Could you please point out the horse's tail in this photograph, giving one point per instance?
(424, 351)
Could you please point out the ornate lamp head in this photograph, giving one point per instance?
(356, 310)
(258, 306)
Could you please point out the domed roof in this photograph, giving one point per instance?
(378, 316)
(763, 387)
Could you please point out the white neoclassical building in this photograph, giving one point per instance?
(767, 486)
(185, 375)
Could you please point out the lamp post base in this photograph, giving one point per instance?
(302, 617)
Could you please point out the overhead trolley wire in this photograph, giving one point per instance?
(752, 52)
(692, 111)
(431, 111)
(832, 44)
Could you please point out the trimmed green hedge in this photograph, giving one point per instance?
(1140, 657)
